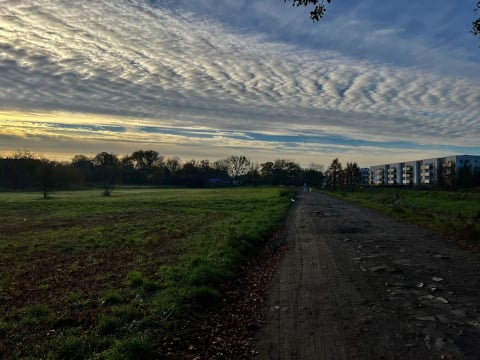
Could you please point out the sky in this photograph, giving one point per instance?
(373, 82)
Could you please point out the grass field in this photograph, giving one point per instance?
(86, 276)
(456, 214)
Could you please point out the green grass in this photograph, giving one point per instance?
(134, 348)
(108, 325)
(111, 271)
(455, 214)
(37, 315)
(73, 347)
(113, 297)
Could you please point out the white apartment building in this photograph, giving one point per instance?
(410, 172)
(378, 174)
(419, 172)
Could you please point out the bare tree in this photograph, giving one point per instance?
(173, 165)
(237, 166)
(144, 160)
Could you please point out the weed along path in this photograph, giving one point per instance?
(355, 284)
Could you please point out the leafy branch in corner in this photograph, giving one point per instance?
(476, 23)
(319, 11)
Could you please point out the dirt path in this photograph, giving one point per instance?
(358, 285)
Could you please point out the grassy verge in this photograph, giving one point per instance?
(86, 276)
(455, 214)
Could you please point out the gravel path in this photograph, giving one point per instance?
(355, 284)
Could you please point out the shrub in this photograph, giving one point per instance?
(467, 232)
(167, 301)
(112, 297)
(205, 296)
(126, 312)
(204, 272)
(73, 348)
(108, 325)
(73, 297)
(137, 280)
(398, 209)
(107, 192)
(38, 314)
(4, 328)
(243, 246)
(170, 275)
(287, 192)
(135, 348)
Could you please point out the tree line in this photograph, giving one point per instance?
(24, 170)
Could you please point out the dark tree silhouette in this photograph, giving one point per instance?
(313, 175)
(353, 176)
(319, 9)
(46, 176)
(144, 160)
(106, 167)
(334, 174)
(173, 165)
(237, 166)
(476, 23)
(286, 172)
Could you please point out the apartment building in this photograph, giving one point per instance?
(378, 174)
(365, 176)
(429, 171)
(410, 172)
(419, 172)
(394, 174)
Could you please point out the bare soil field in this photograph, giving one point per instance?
(355, 284)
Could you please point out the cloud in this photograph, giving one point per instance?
(156, 66)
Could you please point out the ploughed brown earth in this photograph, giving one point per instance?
(355, 284)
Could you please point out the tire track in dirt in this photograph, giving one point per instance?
(355, 284)
(304, 296)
